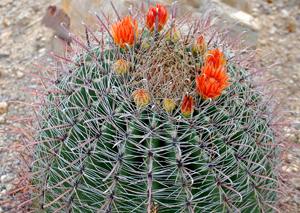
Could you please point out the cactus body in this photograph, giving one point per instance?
(105, 146)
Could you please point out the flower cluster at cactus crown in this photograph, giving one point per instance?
(208, 82)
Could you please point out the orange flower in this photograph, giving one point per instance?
(212, 81)
(125, 31)
(216, 58)
(160, 13)
(187, 106)
(141, 98)
(199, 47)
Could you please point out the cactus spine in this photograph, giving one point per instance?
(141, 122)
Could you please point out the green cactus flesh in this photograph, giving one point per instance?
(98, 152)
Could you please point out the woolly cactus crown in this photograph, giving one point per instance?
(155, 114)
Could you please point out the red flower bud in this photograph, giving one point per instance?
(187, 106)
(160, 13)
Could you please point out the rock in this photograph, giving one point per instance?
(20, 74)
(42, 51)
(272, 30)
(9, 187)
(284, 168)
(296, 125)
(263, 42)
(2, 193)
(6, 23)
(3, 119)
(297, 199)
(58, 20)
(3, 107)
(243, 5)
(239, 20)
(83, 11)
(193, 3)
(285, 13)
(24, 18)
(5, 36)
(5, 2)
(6, 178)
(291, 25)
(294, 168)
(4, 55)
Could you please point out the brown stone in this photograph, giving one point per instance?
(3, 107)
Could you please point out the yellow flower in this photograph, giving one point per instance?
(141, 98)
(169, 105)
(121, 66)
(146, 45)
(173, 35)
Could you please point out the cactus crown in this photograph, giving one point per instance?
(157, 116)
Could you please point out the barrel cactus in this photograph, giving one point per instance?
(154, 114)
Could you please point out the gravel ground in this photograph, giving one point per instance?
(23, 40)
(279, 42)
